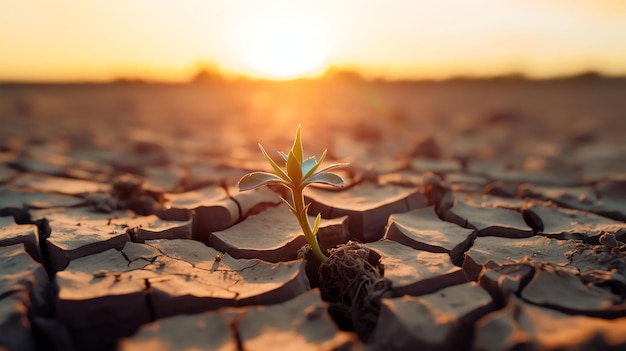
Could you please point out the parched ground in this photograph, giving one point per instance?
(498, 209)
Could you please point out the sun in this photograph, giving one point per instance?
(283, 46)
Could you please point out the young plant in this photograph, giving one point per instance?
(297, 174)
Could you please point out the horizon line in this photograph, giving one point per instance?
(346, 75)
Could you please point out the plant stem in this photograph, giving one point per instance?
(311, 238)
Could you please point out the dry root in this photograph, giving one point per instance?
(354, 286)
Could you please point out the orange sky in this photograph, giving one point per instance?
(167, 40)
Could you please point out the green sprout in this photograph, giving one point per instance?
(297, 175)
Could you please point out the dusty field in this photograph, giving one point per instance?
(498, 209)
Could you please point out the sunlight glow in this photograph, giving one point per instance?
(284, 39)
(283, 46)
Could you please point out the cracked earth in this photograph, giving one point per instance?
(498, 209)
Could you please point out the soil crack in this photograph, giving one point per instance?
(148, 295)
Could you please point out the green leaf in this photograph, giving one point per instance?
(277, 169)
(257, 179)
(316, 227)
(317, 164)
(294, 168)
(308, 165)
(325, 178)
(293, 210)
(284, 155)
(297, 145)
(333, 166)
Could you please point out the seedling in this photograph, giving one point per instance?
(350, 279)
(297, 174)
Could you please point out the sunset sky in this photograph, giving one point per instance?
(169, 40)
